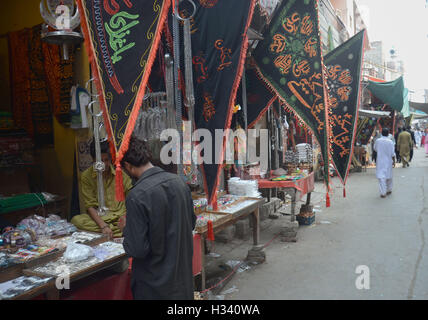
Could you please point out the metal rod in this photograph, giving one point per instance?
(245, 109)
(177, 93)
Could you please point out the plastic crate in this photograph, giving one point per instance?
(305, 221)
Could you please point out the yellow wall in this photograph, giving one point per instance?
(57, 162)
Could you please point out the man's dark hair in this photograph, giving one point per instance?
(104, 146)
(385, 132)
(138, 153)
(408, 128)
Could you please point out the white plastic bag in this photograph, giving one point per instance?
(77, 252)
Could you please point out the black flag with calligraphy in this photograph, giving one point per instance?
(344, 67)
(290, 61)
(121, 38)
(259, 96)
(219, 48)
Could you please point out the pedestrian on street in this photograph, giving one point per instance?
(426, 142)
(158, 229)
(376, 136)
(412, 134)
(385, 161)
(399, 130)
(418, 137)
(405, 145)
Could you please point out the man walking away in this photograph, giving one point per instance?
(412, 134)
(385, 160)
(158, 229)
(397, 154)
(405, 145)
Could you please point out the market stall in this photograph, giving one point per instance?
(230, 210)
(39, 252)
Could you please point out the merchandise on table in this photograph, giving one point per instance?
(6, 260)
(202, 219)
(76, 237)
(31, 252)
(239, 206)
(304, 153)
(51, 226)
(245, 188)
(77, 252)
(199, 205)
(13, 239)
(102, 252)
(18, 286)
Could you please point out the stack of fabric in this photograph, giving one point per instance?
(304, 153)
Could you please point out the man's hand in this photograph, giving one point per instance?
(122, 223)
(107, 231)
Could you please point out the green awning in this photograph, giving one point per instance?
(406, 107)
(391, 93)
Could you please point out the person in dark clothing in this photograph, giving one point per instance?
(409, 130)
(396, 147)
(157, 229)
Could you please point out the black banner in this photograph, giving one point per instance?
(290, 60)
(259, 96)
(344, 66)
(219, 47)
(122, 39)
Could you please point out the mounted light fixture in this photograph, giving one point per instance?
(61, 18)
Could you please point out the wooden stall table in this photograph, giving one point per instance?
(227, 219)
(297, 189)
(49, 289)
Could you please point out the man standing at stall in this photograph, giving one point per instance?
(404, 146)
(385, 160)
(157, 229)
(92, 221)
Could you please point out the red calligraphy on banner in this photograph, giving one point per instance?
(224, 55)
(209, 107)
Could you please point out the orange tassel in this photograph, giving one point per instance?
(120, 193)
(328, 201)
(344, 192)
(210, 233)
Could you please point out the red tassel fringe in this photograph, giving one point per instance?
(120, 192)
(210, 233)
(344, 192)
(328, 200)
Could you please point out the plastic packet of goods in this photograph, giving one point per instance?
(77, 252)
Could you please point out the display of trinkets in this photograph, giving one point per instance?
(18, 286)
(238, 206)
(203, 219)
(48, 227)
(31, 252)
(14, 239)
(102, 252)
(6, 260)
(199, 205)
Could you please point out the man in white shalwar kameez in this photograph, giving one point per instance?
(385, 160)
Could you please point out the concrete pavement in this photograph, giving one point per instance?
(386, 235)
